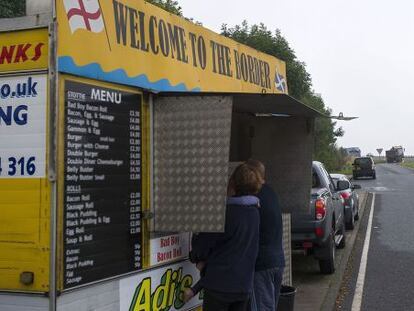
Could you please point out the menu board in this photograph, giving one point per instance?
(102, 183)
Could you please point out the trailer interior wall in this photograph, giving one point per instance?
(284, 145)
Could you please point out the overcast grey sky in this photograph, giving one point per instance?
(360, 54)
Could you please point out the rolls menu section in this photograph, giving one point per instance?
(102, 183)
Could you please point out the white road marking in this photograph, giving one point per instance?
(379, 189)
(359, 289)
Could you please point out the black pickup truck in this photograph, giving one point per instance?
(322, 230)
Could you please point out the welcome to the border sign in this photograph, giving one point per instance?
(135, 43)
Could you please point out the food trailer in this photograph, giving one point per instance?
(119, 125)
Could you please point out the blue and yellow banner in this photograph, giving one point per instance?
(135, 43)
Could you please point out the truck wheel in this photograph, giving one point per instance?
(374, 176)
(327, 266)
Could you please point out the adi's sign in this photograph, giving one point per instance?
(135, 43)
(159, 289)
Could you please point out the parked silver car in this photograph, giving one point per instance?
(351, 201)
(322, 230)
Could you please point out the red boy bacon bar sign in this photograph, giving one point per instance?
(169, 248)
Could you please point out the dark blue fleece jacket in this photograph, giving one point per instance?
(230, 256)
(271, 230)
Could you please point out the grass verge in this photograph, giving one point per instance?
(408, 164)
(346, 170)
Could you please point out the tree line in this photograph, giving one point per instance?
(13, 8)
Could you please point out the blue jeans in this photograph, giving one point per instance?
(266, 291)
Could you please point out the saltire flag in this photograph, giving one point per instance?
(84, 14)
(280, 82)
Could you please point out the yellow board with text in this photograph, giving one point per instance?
(24, 50)
(135, 43)
(24, 188)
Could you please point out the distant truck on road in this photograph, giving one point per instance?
(353, 151)
(395, 154)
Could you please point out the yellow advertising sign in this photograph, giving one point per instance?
(135, 43)
(160, 289)
(24, 50)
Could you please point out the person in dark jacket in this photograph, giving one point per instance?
(230, 257)
(270, 261)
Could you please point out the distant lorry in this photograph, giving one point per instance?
(395, 154)
(353, 151)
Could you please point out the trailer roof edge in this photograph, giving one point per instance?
(25, 22)
(260, 103)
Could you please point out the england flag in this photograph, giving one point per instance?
(84, 14)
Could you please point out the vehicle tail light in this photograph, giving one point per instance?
(345, 195)
(319, 232)
(307, 244)
(320, 209)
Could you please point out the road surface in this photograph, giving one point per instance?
(388, 280)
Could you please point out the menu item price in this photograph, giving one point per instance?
(102, 183)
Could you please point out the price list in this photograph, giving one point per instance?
(102, 183)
